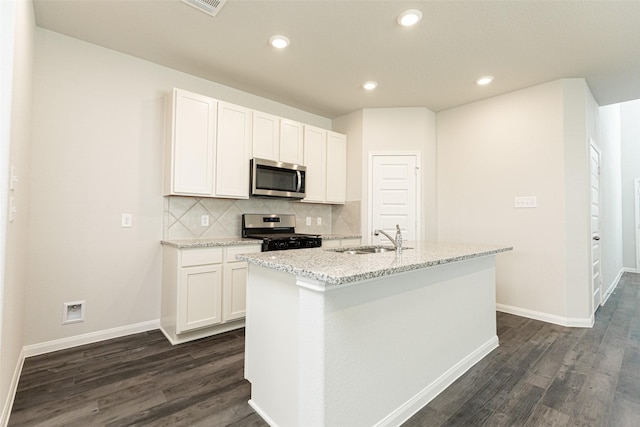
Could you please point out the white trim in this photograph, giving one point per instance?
(260, 412)
(571, 322)
(614, 284)
(427, 394)
(197, 334)
(11, 395)
(636, 198)
(69, 342)
(369, 229)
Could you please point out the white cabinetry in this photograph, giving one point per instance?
(208, 147)
(203, 291)
(233, 151)
(315, 152)
(325, 156)
(266, 136)
(336, 167)
(277, 139)
(291, 142)
(190, 145)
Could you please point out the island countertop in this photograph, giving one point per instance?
(335, 268)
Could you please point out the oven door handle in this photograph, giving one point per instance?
(299, 180)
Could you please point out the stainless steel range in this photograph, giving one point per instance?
(277, 232)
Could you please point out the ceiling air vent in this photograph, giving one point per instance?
(210, 7)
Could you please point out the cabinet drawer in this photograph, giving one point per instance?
(201, 256)
(235, 250)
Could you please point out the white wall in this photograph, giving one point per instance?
(392, 130)
(611, 195)
(17, 31)
(97, 152)
(630, 137)
(525, 143)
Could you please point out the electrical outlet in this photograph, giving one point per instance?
(204, 220)
(127, 220)
(308, 220)
(319, 220)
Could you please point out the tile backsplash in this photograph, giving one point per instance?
(183, 216)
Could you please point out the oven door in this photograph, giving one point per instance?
(277, 179)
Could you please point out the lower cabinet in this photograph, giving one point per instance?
(203, 291)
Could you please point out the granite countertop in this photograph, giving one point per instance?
(335, 268)
(237, 241)
(210, 243)
(340, 236)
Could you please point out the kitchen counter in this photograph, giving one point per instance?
(209, 243)
(336, 268)
(341, 236)
(334, 339)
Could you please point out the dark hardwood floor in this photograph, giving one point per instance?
(541, 375)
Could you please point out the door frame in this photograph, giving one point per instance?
(592, 145)
(369, 231)
(636, 189)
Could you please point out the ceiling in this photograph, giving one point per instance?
(337, 45)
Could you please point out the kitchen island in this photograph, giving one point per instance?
(340, 339)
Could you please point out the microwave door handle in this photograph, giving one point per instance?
(299, 180)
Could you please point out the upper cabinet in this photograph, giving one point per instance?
(325, 156)
(209, 144)
(190, 145)
(277, 139)
(291, 142)
(233, 151)
(208, 147)
(336, 167)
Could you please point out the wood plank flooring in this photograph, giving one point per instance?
(541, 375)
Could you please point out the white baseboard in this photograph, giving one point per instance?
(572, 322)
(8, 404)
(426, 395)
(614, 284)
(64, 343)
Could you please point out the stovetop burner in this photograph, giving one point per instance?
(277, 232)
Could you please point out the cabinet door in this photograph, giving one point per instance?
(336, 167)
(266, 136)
(233, 151)
(193, 136)
(234, 291)
(199, 302)
(315, 142)
(291, 142)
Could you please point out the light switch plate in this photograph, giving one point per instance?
(525, 202)
(127, 220)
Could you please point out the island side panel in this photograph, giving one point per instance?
(391, 344)
(271, 352)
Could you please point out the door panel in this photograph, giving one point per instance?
(596, 274)
(394, 195)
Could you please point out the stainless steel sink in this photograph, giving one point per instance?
(366, 250)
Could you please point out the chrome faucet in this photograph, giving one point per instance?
(397, 242)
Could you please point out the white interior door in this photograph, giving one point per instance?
(394, 195)
(596, 273)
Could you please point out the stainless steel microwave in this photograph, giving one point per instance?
(277, 179)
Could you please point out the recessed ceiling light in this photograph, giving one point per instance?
(279, 42)
(484, 80)
(370, 85)
(409, 17)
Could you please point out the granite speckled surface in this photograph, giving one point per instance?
(210, 243)
(335, 268)
(237, 241)
(341, 236)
